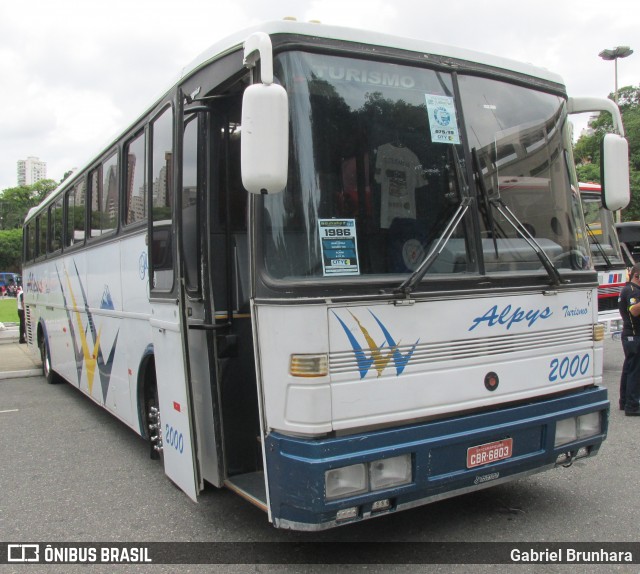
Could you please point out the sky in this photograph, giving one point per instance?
(76, 73)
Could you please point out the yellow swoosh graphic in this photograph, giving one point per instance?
(90, 358)
(380, 361)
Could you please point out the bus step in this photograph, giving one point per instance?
(251, 487)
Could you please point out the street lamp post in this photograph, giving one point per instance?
(614, 54)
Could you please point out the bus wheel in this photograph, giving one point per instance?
(155, 424)
(45, 356)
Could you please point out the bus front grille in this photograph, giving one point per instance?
(469, 349)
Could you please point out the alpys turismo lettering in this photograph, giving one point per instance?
(575, 311)
(509, 316)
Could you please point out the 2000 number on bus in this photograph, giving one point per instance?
(569, 367)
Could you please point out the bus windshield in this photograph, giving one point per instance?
(378, 169)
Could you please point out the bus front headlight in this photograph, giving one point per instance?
(346, 481)
(575, 428)
(390, 472)
(566, 431)
(589, 425)
(368, 477)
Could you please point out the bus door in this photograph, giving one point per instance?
(177, 433)
(171, 359)
(201, 332)
(193, 367)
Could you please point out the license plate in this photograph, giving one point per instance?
(490, 452)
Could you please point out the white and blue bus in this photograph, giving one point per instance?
(296, 275)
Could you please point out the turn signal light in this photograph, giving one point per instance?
(308, 365)
(598, 332)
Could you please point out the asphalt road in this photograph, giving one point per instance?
(71, 472)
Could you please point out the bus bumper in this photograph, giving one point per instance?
(439, 455)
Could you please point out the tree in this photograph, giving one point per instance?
(11, 250)
(15, 202)
(587, 148)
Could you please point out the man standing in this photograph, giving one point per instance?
(629, 306)
(20, 301)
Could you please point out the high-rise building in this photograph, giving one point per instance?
(31, 170)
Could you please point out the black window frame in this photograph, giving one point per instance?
(125, 195)
(55, 206)
(70, 241)
(98, 169)
(157, 292)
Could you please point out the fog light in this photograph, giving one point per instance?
(381, 505)
(566, 431)
(582, 452)
(347, 513)
(308, 365)
(390, 472)
(345, 481)
(589, 425)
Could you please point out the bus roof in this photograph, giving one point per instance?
(369, 38)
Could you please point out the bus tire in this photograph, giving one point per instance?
(45, 356)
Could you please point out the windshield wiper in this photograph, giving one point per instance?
(513, 220)
(494, 200)
(599, 246)
(410, 283)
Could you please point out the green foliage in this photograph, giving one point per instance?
(588, 172)
(587, 149)
(632, 212)
(15, 202)
(11, 250)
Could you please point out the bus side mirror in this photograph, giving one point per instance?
(614, 166)
(264, 145)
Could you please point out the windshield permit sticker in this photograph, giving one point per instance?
(442, 119)
(339, 243)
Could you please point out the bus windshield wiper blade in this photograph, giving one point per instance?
(494, 200)
(410, 283)
(513, 220)
(599, 246)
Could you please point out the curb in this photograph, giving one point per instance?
(21, 367)
(20, 374)
(9, 335)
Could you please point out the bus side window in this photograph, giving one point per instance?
(104, 197)
(136, 192)
(28, 241)
(41, 225)
(75, 199)
(55, 222)
(189, 205)
(161, 254)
